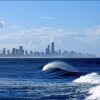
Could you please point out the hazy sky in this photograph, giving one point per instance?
(73, 25)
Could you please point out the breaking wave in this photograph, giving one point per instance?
(92, 78)
(59, 68)
(58, 65)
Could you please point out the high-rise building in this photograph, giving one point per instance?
(31, 53)
(17, 52)
(8, 52)
(13, 51)
(21, 51)
(52, 48)
(4, 52)
(26, 53)
(59, 52)
(47, 51)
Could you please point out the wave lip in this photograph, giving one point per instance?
(58, 65)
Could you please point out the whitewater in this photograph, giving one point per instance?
(49, 79)
(92, 78)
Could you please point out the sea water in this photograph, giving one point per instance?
(25, 79)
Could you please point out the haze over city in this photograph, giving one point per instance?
(34, 24)
(50, 51)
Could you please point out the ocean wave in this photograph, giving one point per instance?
(59, 69)
(59, 65)
(92, 78)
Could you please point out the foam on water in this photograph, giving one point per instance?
(95, 93)
(59, 65)
(14, 82)
(92, 78)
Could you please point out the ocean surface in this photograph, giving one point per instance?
(49, 79)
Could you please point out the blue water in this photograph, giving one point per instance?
(23, 78)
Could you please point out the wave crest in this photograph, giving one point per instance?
(58, 65)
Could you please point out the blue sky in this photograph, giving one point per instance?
(73, 25)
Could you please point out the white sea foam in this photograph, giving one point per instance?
(58, 64)
(92, 78)
(95, 93)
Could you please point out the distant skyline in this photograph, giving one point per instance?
(74, 25)
(49, 52)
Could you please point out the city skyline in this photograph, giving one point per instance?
(74, 25)
(50, 51)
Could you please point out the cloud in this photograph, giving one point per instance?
(47, 34)
(41, 35)
(37, 38)
(2, 24)
(47, 18)
(90, 35)
(7, 26)
(13, 27)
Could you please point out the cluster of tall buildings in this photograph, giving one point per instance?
(14, 52)
(49, 52)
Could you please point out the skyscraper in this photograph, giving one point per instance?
(8, 52)
(52, 48)
(21, 51)
(47, 51)
(13, 51)
(4, 52)
(17, 52)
